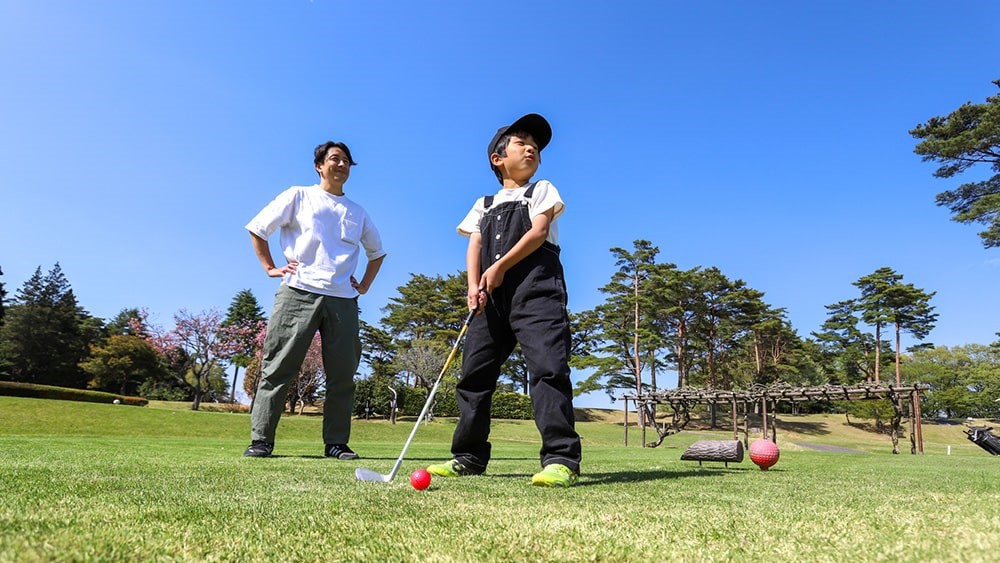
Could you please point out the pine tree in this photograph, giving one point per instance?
(968, 136)
(621, 338)
(3, 298)
(47, 334)
(848, 351)
(126, 322)
(909, 311)
(428, 309)
(873, 306)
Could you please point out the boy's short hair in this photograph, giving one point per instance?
(531, 124)
(319, 154)
(501, 148)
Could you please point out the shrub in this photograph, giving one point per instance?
(158, 391)
(512, 405)
(374, 393)
(34, 391)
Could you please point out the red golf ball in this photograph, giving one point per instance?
(764, 453)
(420, 479)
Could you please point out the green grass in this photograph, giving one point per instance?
(85, 481)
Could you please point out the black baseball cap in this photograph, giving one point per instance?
(533, 124)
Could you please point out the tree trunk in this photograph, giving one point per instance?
(711, 372)
(236, 375)
(758, 360)
(681, 371)
(652, 369)
(635, 340)
(878, 351)
(898, 379)
(897, 417)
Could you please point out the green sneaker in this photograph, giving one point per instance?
(554, 475)
(450, 468)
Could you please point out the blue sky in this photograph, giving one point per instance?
(767, 139)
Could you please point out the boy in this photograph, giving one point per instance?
(515, 280)
(322, 235)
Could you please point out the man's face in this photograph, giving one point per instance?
(336, 167)
(523, 157)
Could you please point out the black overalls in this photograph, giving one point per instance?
(528, 308)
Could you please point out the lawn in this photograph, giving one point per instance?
(88, 481)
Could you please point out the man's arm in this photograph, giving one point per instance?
(263, 251)
(370, 272)
(530, 242)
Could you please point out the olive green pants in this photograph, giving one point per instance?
(296, 317)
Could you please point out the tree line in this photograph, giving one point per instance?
(657, 322)
(47, 338)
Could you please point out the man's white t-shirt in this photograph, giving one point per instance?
(544, 197)
(324, 233)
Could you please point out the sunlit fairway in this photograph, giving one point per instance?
(85, 481)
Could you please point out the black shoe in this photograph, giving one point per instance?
(339, 451)
(259, 448)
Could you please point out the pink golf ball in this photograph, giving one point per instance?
(420, 479)
(764, 453)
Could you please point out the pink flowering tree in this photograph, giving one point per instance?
(240, 343)
(311, 378)
(251, 377)
(304, 389)
(199, 337)
(193, 350)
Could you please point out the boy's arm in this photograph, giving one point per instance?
(263, 251)
(476, 298)
(370, 272)
(530, 242)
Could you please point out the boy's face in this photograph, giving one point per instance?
(336, 167)
(522, 160)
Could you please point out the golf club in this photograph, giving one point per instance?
(376, 477)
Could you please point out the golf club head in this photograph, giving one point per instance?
(371, 476)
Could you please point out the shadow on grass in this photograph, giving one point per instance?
(384, 458)
(594, 479)
(808, 428)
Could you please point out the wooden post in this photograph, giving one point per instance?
(643, 419)
(736, 435)
(774, 425)
(763, 412)
(920, 431)
(746, 425)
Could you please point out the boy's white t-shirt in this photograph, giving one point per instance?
(543, 198)
(324, 233)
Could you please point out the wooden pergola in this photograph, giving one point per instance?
(743, 402)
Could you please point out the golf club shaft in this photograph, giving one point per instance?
(430, 396)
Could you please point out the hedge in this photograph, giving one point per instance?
(31, 390)
(505, 405)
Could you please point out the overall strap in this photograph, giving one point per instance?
(488, 200)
